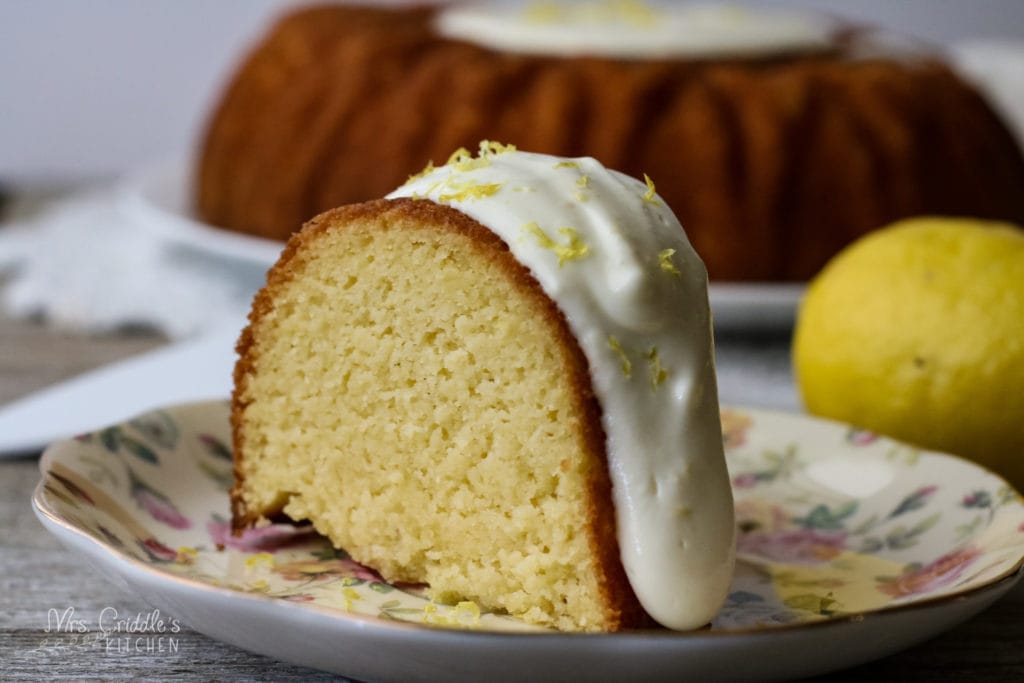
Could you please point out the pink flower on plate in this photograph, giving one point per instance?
(325, 569)
(264, 538)
(860, 437)
(797, 546)
(156, 550)
(156, 504)
(930, 577)
(745, 481)
(159, 507)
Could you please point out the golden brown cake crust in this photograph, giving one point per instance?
(623, 610)
(770, 165)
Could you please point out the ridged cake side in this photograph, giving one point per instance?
(406, 385)
(771, 164)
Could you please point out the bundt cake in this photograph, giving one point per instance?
(498, 381)
(775, 143)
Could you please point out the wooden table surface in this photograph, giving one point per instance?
(40, 580)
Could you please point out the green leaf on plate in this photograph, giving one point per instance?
(138, 449)
(821, 517)
(110, 438)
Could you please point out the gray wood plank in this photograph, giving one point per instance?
(33, 355)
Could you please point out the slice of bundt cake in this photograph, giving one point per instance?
(500, 382)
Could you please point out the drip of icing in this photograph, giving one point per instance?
(646, 333)
(632, 29)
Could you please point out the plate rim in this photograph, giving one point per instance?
(140, 192)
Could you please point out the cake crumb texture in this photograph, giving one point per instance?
(407, 387)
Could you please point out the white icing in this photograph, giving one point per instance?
(671, 490)
(632, 29)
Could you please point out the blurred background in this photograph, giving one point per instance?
(114, 301)
(96, 91)
(92, 89)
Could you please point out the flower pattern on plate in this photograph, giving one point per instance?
(831, 521)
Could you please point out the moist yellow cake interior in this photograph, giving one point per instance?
(413, 397)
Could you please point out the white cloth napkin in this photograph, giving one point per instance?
(94, 262)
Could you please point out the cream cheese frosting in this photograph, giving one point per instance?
(632, 29)
(614, 258)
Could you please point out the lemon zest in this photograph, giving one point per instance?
(635, 12)
(462, 160)
(428, 169)
(350, 596)
(431, 615)
(627, 366)
(462, 192)
(465, 614)
(489, 147)
(186, 555)
(470, 609)
(566, 164)
(658, 374)
(666, 263)
(574, 250)
(649, 195)
(461, 154)
(471, 164)
(583, 180)
(259, 559)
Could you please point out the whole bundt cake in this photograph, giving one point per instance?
(498, 381)
(774, 146)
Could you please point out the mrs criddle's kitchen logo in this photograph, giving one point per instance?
(115, 632)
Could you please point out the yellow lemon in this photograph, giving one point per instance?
(917, 331)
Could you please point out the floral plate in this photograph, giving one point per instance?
(851, 547)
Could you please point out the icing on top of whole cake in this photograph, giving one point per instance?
(614, 258)
(633, 29)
